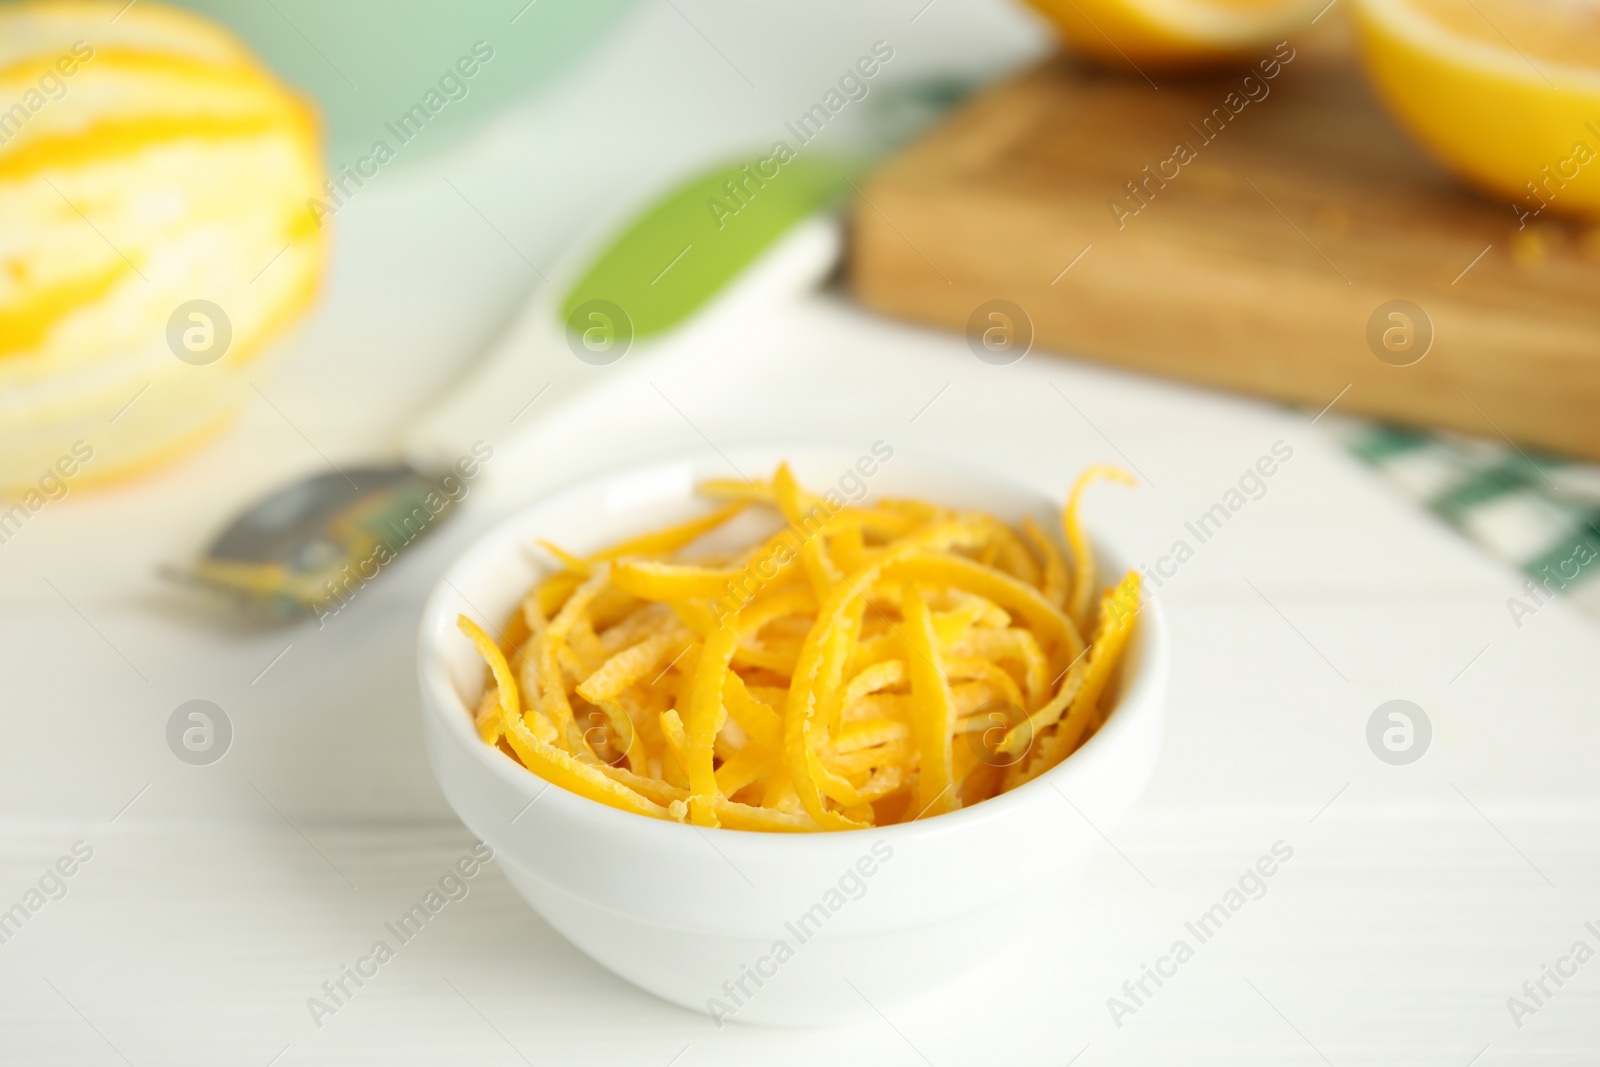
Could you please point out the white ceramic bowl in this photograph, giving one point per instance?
(789, 929)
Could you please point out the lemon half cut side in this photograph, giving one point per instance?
(1168, 35)
(1504, 92)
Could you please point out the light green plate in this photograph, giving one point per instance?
(366, 62)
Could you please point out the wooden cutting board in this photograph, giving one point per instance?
(1262, 263)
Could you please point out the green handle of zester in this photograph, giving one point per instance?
(687, 246)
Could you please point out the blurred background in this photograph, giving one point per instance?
(266, 267)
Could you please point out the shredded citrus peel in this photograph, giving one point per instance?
(864, 665)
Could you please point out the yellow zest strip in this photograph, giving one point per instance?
(737, 490)
(870, 651)
(833, 785)
(734, 816)
(677, 745)
(621, 725)
(1118, 611)
(963, 668)
(554, 592)
(848, 549)
(880, 521)
(1010, 553)
(631, 665)
(551, 703)
(646, 621)
(780, 793)
(550, 763)
(1054, 583)
(972, 697)
(772, 696)
(796, 601)
(487, 717)
(1083, 582)
(802, 710)
(699, 616)
(575, 564)
(777, 660)
(868, 733)
(664, 542)
(653, 580)
(552, 692)
(1018, 646)
(1020, 737)
(878, 706)
(830, 706)
(587, 653)
(884, 782)
(706, 715)
(861, 762)
(809, 530)
(933, 720)
(1010, 593)
(951, 626)
(651, 789)
(515, 634)
(743, 768)
(871, 679)
(757, 719)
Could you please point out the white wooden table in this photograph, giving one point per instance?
(218, 899)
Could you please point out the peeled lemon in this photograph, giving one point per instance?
(1506, 92)
(1176, 34)
(155, 235)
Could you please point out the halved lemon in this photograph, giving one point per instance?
(1176, 34)
(1505, 92)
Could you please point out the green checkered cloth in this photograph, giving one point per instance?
(1538, 512)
